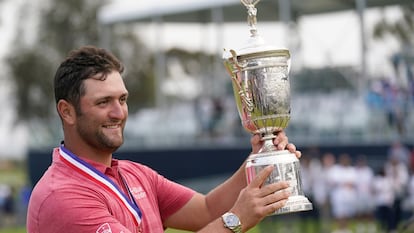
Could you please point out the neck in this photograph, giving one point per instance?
(99, 156)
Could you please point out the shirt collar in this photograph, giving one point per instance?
(100, 167)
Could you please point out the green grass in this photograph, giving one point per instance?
(23, 230)
(13, 230)
(276, 224)
(269, 225)
(13, 173)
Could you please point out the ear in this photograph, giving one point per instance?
(66, 111)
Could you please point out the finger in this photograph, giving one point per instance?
(261, 177)
(276, 196)
(280, 132)
(274, 188)
(281, 140)
(255, 139)
(272, 208)
(280, 135)
(292, 148)
(282, 144)
(256, 143)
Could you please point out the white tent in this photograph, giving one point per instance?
(200, 11)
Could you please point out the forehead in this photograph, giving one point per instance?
(112, 85)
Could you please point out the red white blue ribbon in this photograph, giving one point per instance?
(101, 179)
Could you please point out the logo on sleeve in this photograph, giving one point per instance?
(104, 228)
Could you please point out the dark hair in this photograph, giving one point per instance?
(83, 63)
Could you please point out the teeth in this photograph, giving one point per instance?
(111, 126)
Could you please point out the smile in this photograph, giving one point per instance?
(111, 126)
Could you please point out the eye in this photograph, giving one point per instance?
(123, 99)
(102, 102)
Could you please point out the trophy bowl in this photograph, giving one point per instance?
(260, 80)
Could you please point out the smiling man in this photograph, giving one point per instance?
(86, 190)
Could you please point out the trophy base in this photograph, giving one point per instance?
(286, 168)
(295, 204)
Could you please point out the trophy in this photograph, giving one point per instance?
(260, 80)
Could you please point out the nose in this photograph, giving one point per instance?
(118, 111)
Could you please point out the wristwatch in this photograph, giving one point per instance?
(232, 222)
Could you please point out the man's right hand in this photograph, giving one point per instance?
(257, 200)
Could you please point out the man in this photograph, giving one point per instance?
(87, 190)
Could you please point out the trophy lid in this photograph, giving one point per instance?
(256, 46)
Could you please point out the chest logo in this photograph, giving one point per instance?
(104, 228)
(138, 193)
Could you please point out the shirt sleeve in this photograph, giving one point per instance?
(172, 197)
(169, 195)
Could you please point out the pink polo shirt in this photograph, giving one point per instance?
(66, 201)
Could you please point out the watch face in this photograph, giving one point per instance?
(232, 220)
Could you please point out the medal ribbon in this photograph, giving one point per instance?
(101, 179)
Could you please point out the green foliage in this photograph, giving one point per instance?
(69, 24)
(253, 230)
(402, 29)
(15, 175)
(63, 26)
(13, 230)
(139, 64)
(30, 69)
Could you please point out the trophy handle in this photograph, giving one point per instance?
(241, 90)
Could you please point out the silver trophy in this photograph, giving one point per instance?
(260, 79)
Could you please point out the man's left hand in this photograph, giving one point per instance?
(281, 142)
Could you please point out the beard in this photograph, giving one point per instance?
(107, 142)
(97, 138)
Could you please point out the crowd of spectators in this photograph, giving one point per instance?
(13, 205)
(345, 189)
(390, 102)
(7, 205)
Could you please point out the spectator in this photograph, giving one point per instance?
(9, 209)
(322, 189)
(412, 160)
(383, 199)
(408, 203)
(397, 172)
(344, 195)
(310, 167)
(399, 151)
(5, 194)
(24, 197)
(365, 206)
